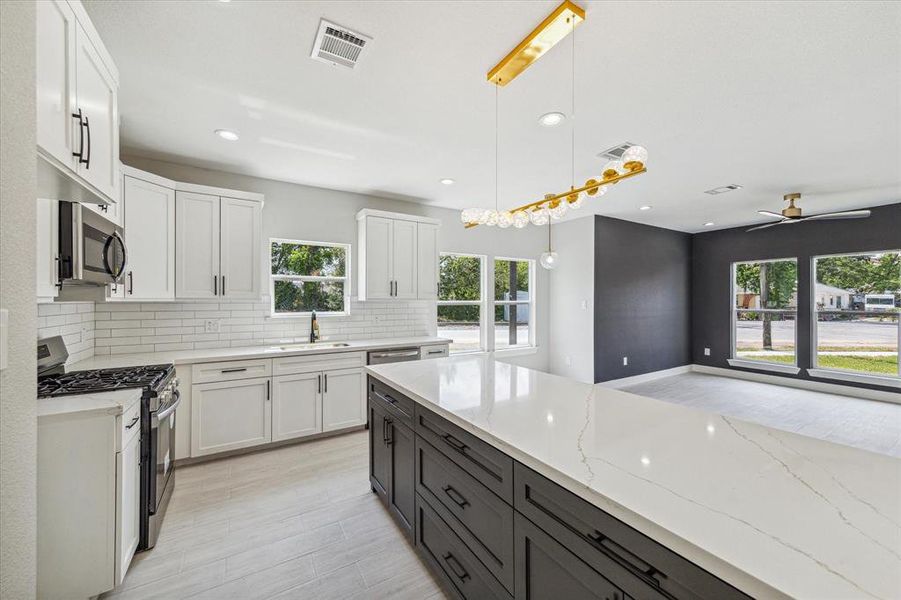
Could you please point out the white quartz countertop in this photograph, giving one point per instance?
(774, 513)
(247, 352)
(112, 403)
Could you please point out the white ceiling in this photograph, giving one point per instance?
(775, 96)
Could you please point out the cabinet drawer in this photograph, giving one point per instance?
(451, 559)
(634, 562)
(392, 401)
(481, 519)
(310, 363)
(433, 351)
(129, 424)
(490, 466)
(231, 370)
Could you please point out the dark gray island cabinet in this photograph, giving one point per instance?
(490, 527)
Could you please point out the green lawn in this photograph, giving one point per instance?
(883, 365)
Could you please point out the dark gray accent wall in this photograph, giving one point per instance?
(714, 252)
(642, 295)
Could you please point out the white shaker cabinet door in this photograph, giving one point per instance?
(404, 265)
(343, 399)
(240, 248)
(378, 258)
(229, 415)
(196, 245)
(296, 406)
(150, 240)
(47, 251)
(57, 130)
(97, 98)
(128, 469)
(427, 261)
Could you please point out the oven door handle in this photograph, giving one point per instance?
(159, 416)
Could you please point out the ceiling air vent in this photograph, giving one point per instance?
(616, 152)
(723, 189)
(337, 45)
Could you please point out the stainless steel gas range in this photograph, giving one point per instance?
(159, 402)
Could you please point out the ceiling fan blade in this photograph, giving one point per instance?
(770, 225)
(848, 214)
(769, 213)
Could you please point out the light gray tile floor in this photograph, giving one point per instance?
(291, 523)
(866, 424)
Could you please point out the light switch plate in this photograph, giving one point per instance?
(4, 338)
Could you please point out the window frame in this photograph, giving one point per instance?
(346, 279)
(762, 365)
(483, 281)
(531, 346)
(831, 372)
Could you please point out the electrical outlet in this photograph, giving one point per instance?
(625, 361)
(584, 304)
(568, 360)
(706, 351)
(211, 325)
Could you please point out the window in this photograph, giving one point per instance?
(460, 300)
(309, 276)
(855, 300)
(513, 303)
(764, 311)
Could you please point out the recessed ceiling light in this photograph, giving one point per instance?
(551, 119)
(447, 181)
(709, 224)
(645, 207)
(227, 134)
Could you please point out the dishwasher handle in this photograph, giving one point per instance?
(396, 354)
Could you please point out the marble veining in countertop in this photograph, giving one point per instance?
(774, 513)
(113, 403)
(246, 352)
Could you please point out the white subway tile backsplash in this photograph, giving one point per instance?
(72, 320)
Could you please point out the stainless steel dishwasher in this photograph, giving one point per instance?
(380, 357)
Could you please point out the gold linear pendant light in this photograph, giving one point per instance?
(553, 29)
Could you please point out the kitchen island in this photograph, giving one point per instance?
(674, 499)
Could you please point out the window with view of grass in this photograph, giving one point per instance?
(856, 301)
(513, 303)
(765, 311)
(460, 300)
(309, 276)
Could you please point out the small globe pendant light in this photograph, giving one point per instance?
(548, 259)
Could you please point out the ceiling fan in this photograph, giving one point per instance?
(792, 214)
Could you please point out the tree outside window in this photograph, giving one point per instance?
(765, 310)
(309, 276)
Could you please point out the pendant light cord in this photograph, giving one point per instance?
(496, 128)
(572, 111)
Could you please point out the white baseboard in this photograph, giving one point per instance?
(635, 379)
(817, 386)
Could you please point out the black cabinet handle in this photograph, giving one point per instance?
(131, 283)
(385, 430)
(268, 391)
(133, 421)
(223, 285)
(454, 443)
(459, 500)
(389, 439)
(236, 370)
(319, 383)
(215, 285)
(80, 153)
(643, 570)
(87, 125)
(325, 384)
(455, 566)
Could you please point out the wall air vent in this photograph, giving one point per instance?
(616, 152)
(723, 189)
(337, 45)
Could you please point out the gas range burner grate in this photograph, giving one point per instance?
(104, 380)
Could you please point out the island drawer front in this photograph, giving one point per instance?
(451, 559)
(482, 520)
(636, 563)
(311, 363)
(231, 370)
(490, 466)
(391, 400)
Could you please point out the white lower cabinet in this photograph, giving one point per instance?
(343, 399)
(229, 415)
(296, 406)
(128, 471)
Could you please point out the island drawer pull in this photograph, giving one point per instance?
(454, 443)
(621, 555)
(455, 566)
(459, 500)
(237, 370)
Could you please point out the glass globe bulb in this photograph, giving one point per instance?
(540, 216)
(603, 190)
(612, 169)
(470, 215)
(548, 260)
(558, 211)
(490, 217)
(520, 219)
(635, 157)
(504, 219)
(577, 202)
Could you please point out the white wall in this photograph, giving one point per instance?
(571, 347)
(18, 420)
(303, 212)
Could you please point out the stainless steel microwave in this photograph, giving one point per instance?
(91, 247)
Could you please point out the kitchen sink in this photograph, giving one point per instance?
(291, 347)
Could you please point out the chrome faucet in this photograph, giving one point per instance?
(314, 329)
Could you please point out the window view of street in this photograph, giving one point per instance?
(765, 310)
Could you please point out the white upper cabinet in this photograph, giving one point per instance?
(77, 102)
(149, 211)
(393, 261)
(239, 255)
(427, 260)
(217, 246)
(47, 251)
